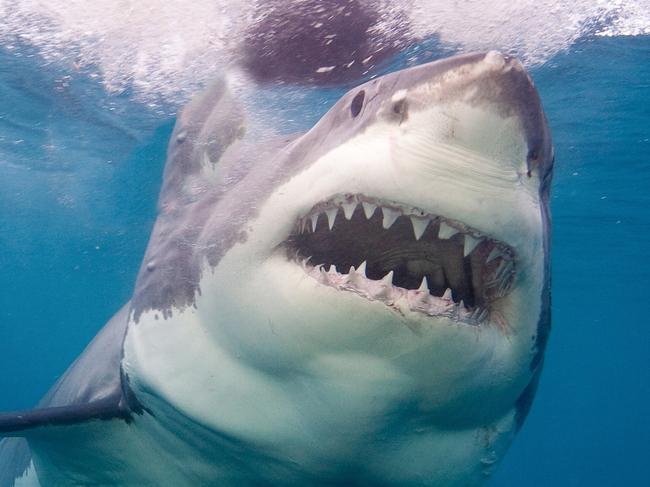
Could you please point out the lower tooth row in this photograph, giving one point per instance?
(501, 281)
(383, 290)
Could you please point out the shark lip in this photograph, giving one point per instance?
(404, 257)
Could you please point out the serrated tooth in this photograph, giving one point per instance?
(348, 209)
(368, 209)
(314, 220)
(494, 254)
(357, 281)
(461, 305)
(352, 277)
(388, 279)
(332, 269)
(461, 312)
(446, 231)
(447, 296)
(505, 286)
(362, 269)
(331, 216)
(504, 267)
(424, 286)
(419, 226)
(389, 217)
(470, 244)
(323, 275)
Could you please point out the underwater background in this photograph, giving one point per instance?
(88, 95)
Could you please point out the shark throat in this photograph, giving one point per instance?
(389, 252)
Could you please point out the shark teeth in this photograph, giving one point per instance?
(447, 295)
(457, 268)
(388, 279)
(348, 209)
(368, 209)
(424, 286)
(314, 221)
(496, 252)
(420, 221)
(390, 215)
(331, 216)
(470, 244)
(415, 300)
(419, 226)
(446, 231)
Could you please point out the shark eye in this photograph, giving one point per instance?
(357, 103)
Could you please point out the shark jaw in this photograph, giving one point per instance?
(406, 220)
(405, 258)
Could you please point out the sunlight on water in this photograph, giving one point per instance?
(168, 49)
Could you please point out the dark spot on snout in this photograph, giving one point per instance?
(532, 160)
(357, 103)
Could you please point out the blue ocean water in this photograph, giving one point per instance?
(80, 169)
(590, 424)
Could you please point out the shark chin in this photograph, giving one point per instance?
(365, 303)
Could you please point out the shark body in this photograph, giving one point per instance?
(366, 303)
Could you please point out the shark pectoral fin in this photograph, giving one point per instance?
(91, 389)
(15, 459)
(19, 423)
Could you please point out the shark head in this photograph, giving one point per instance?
(395, 257)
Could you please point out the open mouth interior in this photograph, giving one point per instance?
(390, 252)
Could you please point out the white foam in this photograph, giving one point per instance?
(624, 18)
(168, 48)
(534, 30)
(164, 48)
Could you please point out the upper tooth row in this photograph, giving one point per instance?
(419, 224)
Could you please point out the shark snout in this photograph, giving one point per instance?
(483, 105)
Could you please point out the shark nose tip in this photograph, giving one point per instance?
(495, 58)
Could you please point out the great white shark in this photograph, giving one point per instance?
(366, 303)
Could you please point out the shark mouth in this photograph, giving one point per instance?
(404, 257)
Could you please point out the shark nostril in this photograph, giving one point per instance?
(401, 107)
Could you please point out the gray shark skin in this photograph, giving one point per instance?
(366, 303)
